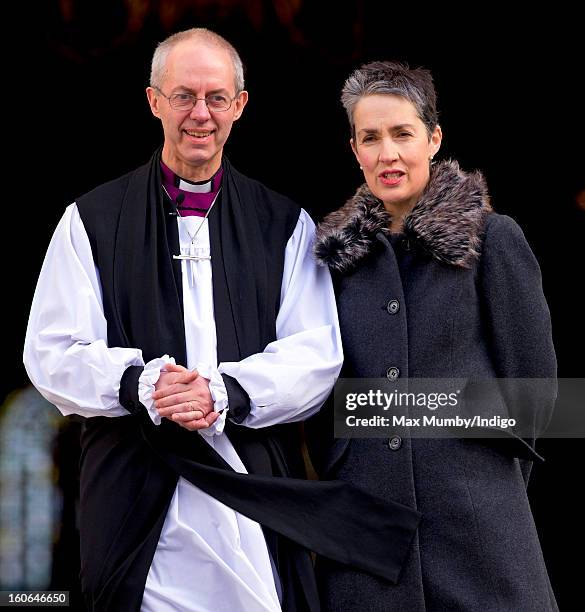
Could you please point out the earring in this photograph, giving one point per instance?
(361, 168)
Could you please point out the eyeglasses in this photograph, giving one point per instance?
(185, 101)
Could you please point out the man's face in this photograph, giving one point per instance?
(194, 139)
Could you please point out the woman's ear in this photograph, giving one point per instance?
(354, 149)
(436, 140)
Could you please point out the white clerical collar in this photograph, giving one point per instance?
(204, 187)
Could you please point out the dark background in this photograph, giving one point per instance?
(511, 104)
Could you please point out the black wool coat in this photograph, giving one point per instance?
(457, 295)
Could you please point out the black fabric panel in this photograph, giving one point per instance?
(310, 513)
(125, 492)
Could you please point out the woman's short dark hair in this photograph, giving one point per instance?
(415, 85)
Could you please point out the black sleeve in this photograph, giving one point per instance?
(517, 313)
(129, 389)
(238, 399)
(517, 320)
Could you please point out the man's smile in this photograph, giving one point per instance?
(200, 134)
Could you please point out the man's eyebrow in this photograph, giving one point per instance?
(183, 89)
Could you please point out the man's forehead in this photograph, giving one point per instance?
(195, 51)
(194, 60)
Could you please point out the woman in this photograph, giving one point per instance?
(432, 283)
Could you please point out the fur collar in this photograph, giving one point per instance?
(447, 222)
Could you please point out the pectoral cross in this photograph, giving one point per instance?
(192, 258)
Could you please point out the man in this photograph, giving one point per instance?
(149, 283)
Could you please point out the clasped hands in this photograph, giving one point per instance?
(183, 396)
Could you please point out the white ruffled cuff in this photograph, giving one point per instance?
(146, 383)
(219, 396)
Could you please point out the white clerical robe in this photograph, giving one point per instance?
(209, 558)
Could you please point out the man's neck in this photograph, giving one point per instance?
(190, 172)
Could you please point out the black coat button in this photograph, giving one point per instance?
(392, 373)
(395, 443)
(393, 307)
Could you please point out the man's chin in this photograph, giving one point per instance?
(198, 156)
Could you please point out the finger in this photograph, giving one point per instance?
(186, 377)
(168, 377)
(181, 372)
(184, 417)
(174, 400)
(194, 425)
(171, 389)
(174, 367)
(211, 418)
(181, 407)
(200, 423)
(204, 405)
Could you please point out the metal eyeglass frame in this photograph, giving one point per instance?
(195, 100)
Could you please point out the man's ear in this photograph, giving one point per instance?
(239, 103)
(153, 101)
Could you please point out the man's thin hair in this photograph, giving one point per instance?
(159, 59)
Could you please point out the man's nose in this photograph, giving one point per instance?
(200, 112)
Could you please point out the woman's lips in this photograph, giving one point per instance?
(391, 178)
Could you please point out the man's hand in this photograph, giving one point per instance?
(183, 396)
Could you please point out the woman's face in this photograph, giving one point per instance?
(392, 146)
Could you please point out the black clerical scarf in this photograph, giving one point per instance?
(130, 467)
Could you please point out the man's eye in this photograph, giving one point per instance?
(217, 99)
(182, 97)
